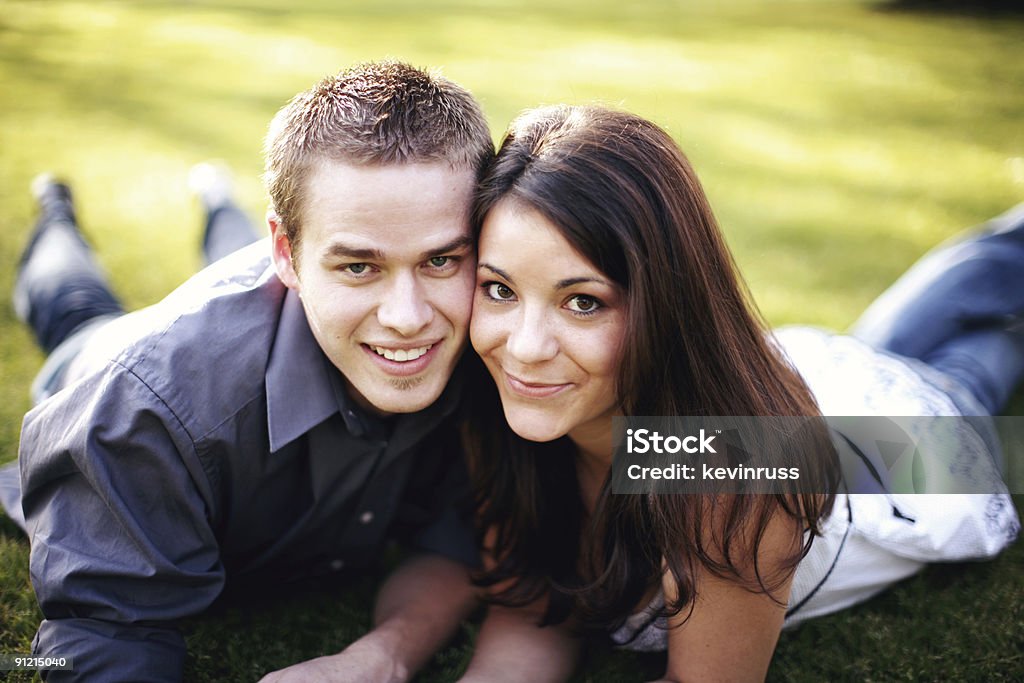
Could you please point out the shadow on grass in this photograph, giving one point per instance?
(250, 630)
(8, 529)
(138, 100)
(972, 8)
(952, 622)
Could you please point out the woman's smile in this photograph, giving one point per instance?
(530, 389)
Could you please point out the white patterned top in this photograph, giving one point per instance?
(870, 541)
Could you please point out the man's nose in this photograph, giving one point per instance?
(405, 308)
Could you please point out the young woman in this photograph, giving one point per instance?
(605, 289)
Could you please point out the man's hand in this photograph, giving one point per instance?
(362, 661)
(418, 609)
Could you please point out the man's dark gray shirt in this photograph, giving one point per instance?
(216, 442)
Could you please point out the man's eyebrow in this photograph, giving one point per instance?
(339, 250)
(457, 244)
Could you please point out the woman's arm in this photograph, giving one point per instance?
(732, 632)
(512, 648)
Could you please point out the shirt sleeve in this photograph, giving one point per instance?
(121, 544)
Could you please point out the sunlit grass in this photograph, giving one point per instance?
(837, 140)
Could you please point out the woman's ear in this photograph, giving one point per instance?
(281, 251)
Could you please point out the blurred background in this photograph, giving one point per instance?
(838, 139)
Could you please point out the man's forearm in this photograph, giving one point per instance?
(418, 609)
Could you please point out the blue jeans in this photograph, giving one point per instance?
(960, 309)
(63, 295)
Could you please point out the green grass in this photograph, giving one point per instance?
(838, 141)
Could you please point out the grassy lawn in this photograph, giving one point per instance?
(838, 141)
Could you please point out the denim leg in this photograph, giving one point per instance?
(228, 229)
(960, 309)
(60, 286)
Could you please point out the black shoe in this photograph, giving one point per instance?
(56, 207)
(54, 198)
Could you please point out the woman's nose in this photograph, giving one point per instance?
(532, 340)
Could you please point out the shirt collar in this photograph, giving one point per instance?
(304, 388)
(300, 394)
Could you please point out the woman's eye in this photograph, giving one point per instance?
(583, 304)
(498, 291)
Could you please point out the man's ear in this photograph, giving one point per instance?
(281, 248)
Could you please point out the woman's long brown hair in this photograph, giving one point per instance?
(623, 194)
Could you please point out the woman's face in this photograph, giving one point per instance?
(548, 325)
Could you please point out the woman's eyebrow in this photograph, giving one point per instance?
(561, 284)
(497, 271)
(569, 282)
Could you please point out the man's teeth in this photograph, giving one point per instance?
(401, 355)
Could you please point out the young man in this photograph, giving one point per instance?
(280, 415)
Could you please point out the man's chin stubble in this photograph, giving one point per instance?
(406, 383)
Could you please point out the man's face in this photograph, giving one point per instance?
(385, 269)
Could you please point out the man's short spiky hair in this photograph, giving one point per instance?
(373, 113)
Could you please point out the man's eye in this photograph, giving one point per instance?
(496, 290)
(357, 268)
(583, 304)
(440, 261)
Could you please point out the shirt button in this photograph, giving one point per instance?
(337, 565)
(366, 517)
